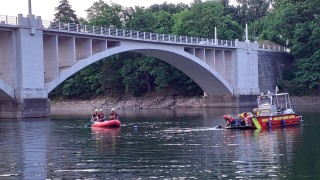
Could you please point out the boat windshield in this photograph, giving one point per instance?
(264, 101)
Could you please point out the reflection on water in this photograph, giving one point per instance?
(105, 138)
(157, 144)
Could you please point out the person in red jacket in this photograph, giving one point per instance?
(113, 115)
(229, 120)
(94, 116)
(101, 115)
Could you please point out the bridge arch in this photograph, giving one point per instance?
(211, 82)
(6, 91)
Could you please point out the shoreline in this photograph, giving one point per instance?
(153, 102)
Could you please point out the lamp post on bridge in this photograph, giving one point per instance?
(215, 36)
(247, 34)
(29, 8)
(31, 19)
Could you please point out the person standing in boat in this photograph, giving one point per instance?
(94, 116)
(113, 115)
(230, 121)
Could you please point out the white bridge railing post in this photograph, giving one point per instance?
(146, 36)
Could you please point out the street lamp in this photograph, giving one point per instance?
(29, 8)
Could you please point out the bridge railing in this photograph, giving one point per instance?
(127, 33)
(132, 34)
(272, 47)
(11, 20)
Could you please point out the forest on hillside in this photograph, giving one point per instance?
(290, 23)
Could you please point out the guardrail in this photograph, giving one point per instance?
(272, 47)
(132, 34)
(11, 20)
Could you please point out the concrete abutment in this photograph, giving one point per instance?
(24, 108)
(234, 101)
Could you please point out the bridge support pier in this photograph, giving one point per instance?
(24, 108)
(230, 101)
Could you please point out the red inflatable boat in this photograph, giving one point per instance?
(107, 123)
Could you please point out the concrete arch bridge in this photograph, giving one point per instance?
(37, 56)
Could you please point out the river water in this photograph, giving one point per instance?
(158, 144)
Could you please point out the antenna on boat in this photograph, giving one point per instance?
(277, 90)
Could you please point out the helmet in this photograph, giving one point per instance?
(96, 110)
(100, 109)
(227, 116)
(112, 110)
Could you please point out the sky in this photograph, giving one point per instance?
(46, 8)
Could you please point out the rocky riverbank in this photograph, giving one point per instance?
(153, 102)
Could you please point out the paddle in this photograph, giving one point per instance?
(89, 124)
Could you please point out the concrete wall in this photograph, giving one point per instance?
(271, 66)
(7, 57)
(246, 69)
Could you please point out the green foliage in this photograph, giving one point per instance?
(103, 14)
(309, 71)
(297, 23)
(65, 13)
(133, 79)
(111, 81)
(252, 10)
(163, 22)
(83, 84)
(201, 19)
(140, 19)
(169, 8)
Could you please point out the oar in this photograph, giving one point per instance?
(89, 124)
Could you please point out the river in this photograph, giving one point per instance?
(158, 144)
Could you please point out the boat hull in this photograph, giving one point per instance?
(283, 120)
(241, 127)
(109, 123)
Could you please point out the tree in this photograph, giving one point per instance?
(84, 84)
(170, 8)
(111, 79)
(140, 19)
(65, 13)
(298, 22)
(252, 10)
(201, 20)
(163, 22)
(103, 14)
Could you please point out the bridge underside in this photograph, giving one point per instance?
(4, 95)
(211, 83)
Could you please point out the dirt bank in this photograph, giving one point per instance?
(154, 102)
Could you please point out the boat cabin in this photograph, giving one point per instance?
(274, 104)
